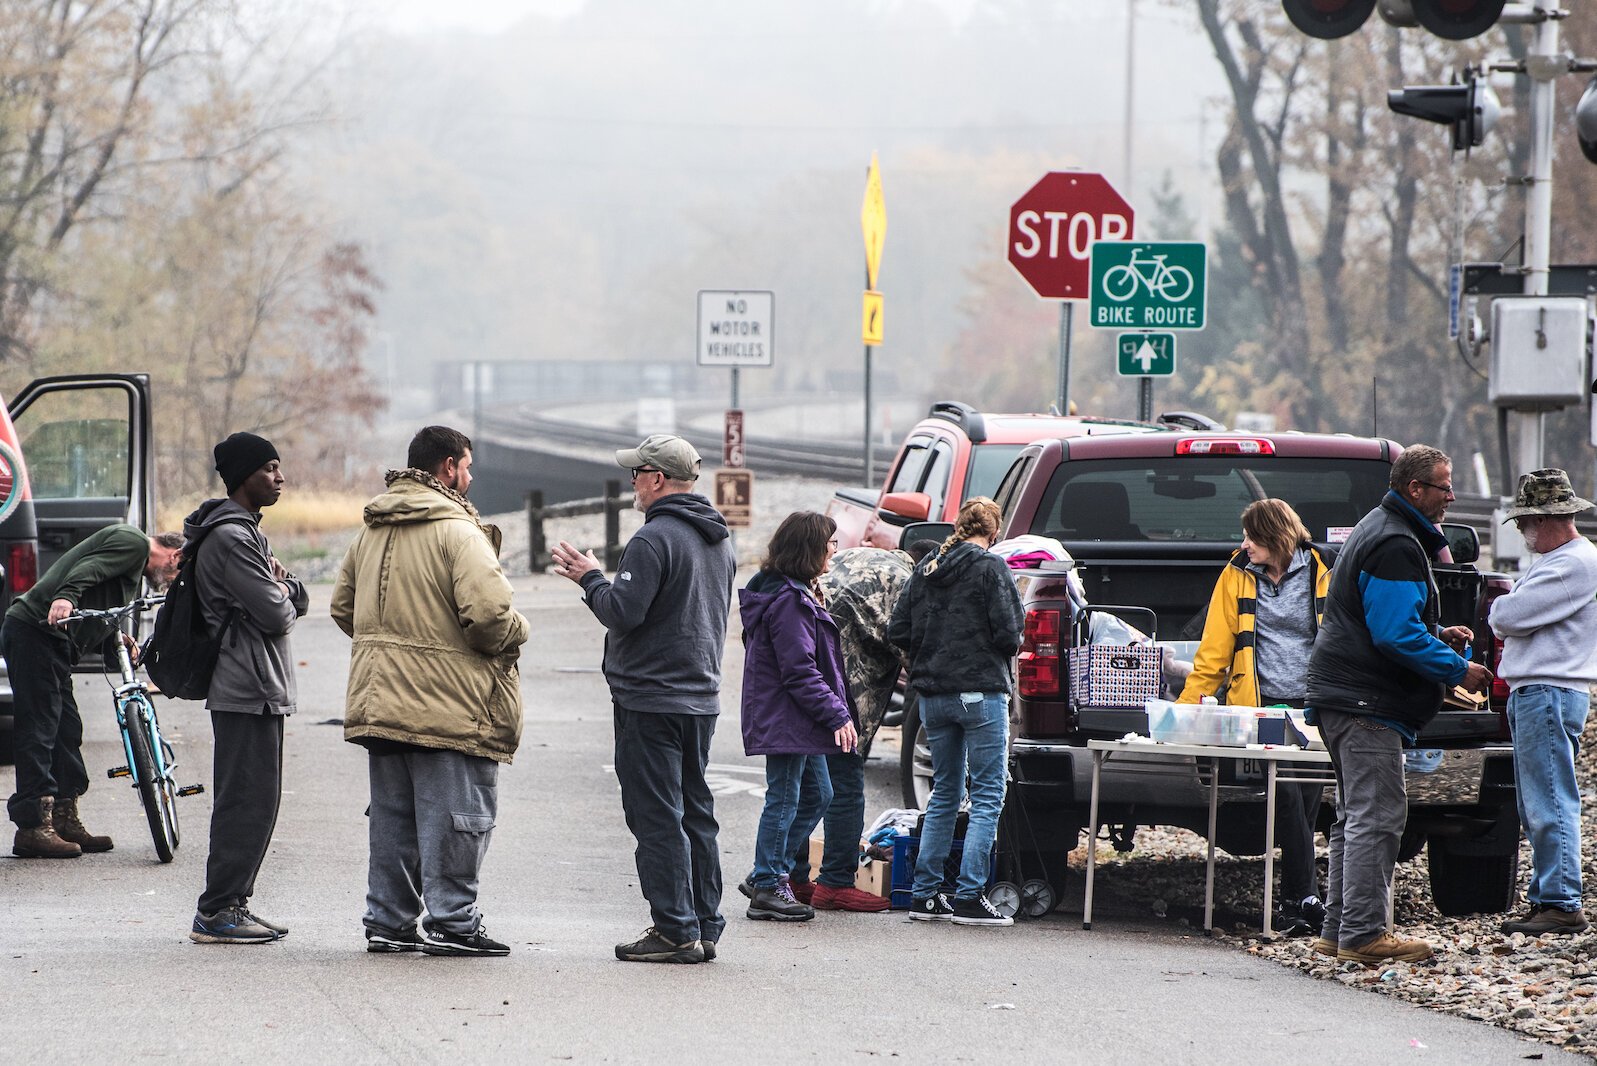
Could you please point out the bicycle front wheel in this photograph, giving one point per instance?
(1121, 282)
(154, 790)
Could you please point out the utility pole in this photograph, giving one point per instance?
(1543, 65)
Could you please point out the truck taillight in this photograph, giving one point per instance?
(22, 568)
(1038, 673)
(1225, 446)
(1499, 686)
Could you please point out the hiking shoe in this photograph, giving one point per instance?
(1544, 919)
(934, 908)
(280, 930)
(1322, 946)
(41, 841)
(978, 910)
(1386, 947)
(387, 942)
(231, 925)
(778, 904)
(803, 891)
(746, 886)
(652, 947)
(69, 827)
(827, 898)
(476, 942)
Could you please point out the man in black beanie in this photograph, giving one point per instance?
(242, 585)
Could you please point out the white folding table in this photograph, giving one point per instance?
(1303, 767)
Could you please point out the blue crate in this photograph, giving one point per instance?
(905, 851)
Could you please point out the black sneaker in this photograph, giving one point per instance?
(978, 911)
(933, 908)
(778, 904)
(746, 886)
(280, 930)
(652, 947)
(230, 925)
(708, 946)
(477, 942)
(387, 942)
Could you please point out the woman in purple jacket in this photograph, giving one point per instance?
(796, 704)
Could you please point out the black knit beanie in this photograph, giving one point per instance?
(239, 456)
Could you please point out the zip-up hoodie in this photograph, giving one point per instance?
(665, 613)
(255, 669)
(959, 620)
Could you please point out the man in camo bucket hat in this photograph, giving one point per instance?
(1548, 626)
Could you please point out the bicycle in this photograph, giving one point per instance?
(151, 759)
(1171, 283)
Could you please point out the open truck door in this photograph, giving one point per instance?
(76, 455)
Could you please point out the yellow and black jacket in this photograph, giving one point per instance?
(1223, 666)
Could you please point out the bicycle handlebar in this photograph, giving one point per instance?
(116, 614)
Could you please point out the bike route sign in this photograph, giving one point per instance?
(1146, 355)
(1149, 285)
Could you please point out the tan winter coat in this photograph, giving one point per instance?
(436, 640)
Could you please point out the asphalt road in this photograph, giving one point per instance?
(95, 963)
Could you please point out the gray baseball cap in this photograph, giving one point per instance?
(672, 456)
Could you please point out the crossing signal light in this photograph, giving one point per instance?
(1455, 20)
(1328, 19)
(1586, 124)
(1471, 109)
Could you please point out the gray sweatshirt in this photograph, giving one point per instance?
(255, 670)
(665, 613)
(1549, 622)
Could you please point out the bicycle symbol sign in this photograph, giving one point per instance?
(1149, 285)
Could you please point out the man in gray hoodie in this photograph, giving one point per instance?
(665, 615)
(1548, 626)
(243, 586)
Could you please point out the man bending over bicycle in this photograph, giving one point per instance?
(101, 571)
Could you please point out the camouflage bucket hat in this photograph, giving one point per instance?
(1545, 492)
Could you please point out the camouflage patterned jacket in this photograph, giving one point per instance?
(861, 588)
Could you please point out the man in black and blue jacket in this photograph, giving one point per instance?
(1380, 667)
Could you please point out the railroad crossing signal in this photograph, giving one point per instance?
(1149, 285)
(1146, 355)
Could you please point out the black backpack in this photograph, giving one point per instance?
(182, 653)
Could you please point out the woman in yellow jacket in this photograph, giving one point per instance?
(1262, 620)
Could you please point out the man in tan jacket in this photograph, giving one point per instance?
(434, 696)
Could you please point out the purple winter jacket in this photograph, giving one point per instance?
(795, 690)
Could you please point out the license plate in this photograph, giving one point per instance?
(1241, 771)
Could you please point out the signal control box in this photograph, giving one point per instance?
(1539, 346)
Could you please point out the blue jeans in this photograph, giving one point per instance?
(1546, 722)
(963, 729)
(844, 817)
(780, 825)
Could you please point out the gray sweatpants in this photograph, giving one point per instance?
(431, 814)
(1371, 809)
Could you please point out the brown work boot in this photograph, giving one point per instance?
(41, 841)
(69, 827)
(1544, 919)
(1322, 946)
(1386, 948)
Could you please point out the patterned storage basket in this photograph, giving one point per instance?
(1115, 675)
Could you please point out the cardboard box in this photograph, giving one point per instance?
(875, 877)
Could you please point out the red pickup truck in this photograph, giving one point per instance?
(954, 453)
(1150, 517)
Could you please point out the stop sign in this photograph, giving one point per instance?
(1052, 227)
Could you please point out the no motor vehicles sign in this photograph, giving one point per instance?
(737, 327)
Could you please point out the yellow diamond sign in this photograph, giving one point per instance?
(873, 221)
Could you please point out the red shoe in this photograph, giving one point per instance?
(802, 890)
(827, 898)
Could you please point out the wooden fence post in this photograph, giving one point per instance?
(612, 524)
(537, 547)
